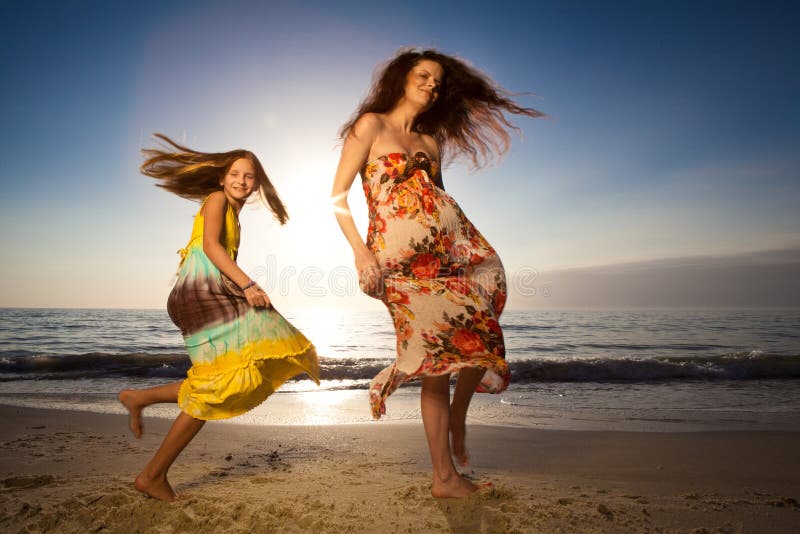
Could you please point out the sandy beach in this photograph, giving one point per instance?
(72, 471)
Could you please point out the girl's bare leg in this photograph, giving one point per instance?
(135, 400)
(468, 380)
(153, 479)
(435, 406)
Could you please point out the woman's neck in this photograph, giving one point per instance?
(403, 115)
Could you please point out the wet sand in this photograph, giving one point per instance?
(72, 471)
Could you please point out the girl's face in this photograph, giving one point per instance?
(423, 82)
(240, 180)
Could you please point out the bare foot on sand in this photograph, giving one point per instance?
(156, 488)
(458, 433)
(128, 399)
(456, 487)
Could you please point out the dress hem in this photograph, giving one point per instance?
(381, 391)
(293, 358)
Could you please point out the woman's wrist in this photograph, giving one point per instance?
(248, 285)
(363, 252)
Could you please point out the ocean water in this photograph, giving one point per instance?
(647, 370)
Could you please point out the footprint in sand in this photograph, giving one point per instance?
(30, 482)
(784, 502)
(605, 510)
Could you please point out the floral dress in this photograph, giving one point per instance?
(240, 354)
(443, 284)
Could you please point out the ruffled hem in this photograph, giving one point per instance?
(267, 349)
(212, 394)
(495, 380)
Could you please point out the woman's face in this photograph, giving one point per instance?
(423, 82)
(240, 180)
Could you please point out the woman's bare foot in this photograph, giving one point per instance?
(458, 434)
(156, 488)
(128, 399)
(457, 487)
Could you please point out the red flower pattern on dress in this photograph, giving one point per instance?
(396, 296)
(429, 203)
(467, 342)
(380, 224)
(494, 326)
(425, 266)
(499, 301)
(459, 286)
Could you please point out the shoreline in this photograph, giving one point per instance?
(760, 405)
(72, 472)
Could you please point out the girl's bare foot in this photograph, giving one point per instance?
(128, 399)
(456, 487)
(458, 434)
(156, 488)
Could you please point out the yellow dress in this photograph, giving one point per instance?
(240, 354)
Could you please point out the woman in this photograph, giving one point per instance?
(440, 279)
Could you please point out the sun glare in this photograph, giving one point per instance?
(323, 327)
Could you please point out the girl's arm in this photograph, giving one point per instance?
(213, 236)
(354, 155)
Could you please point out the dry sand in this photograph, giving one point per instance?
(71, 472)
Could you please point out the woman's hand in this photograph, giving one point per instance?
(370, 278)
(257, 297)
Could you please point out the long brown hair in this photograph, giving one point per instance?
(468, 116)
(195, 175)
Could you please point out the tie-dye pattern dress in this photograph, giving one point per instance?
(240, 354)
(443, 284)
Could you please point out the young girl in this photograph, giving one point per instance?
(241, 348)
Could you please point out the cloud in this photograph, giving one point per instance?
(768, 278)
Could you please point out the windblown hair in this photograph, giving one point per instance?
(195, 175)
(468, 118)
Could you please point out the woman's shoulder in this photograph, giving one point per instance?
(369, 124)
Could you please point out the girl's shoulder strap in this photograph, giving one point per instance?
(203, 203)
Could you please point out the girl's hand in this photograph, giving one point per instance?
(370, 278)
(257, 297)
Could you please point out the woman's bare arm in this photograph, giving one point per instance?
(354, 155)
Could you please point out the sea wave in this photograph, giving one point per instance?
(753, 365)
(16, 365)
(24, 365)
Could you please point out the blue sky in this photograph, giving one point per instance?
(673, 133)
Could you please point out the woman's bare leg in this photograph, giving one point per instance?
(435, 406)
(135, 400)
(468, 380)
(153, 478)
